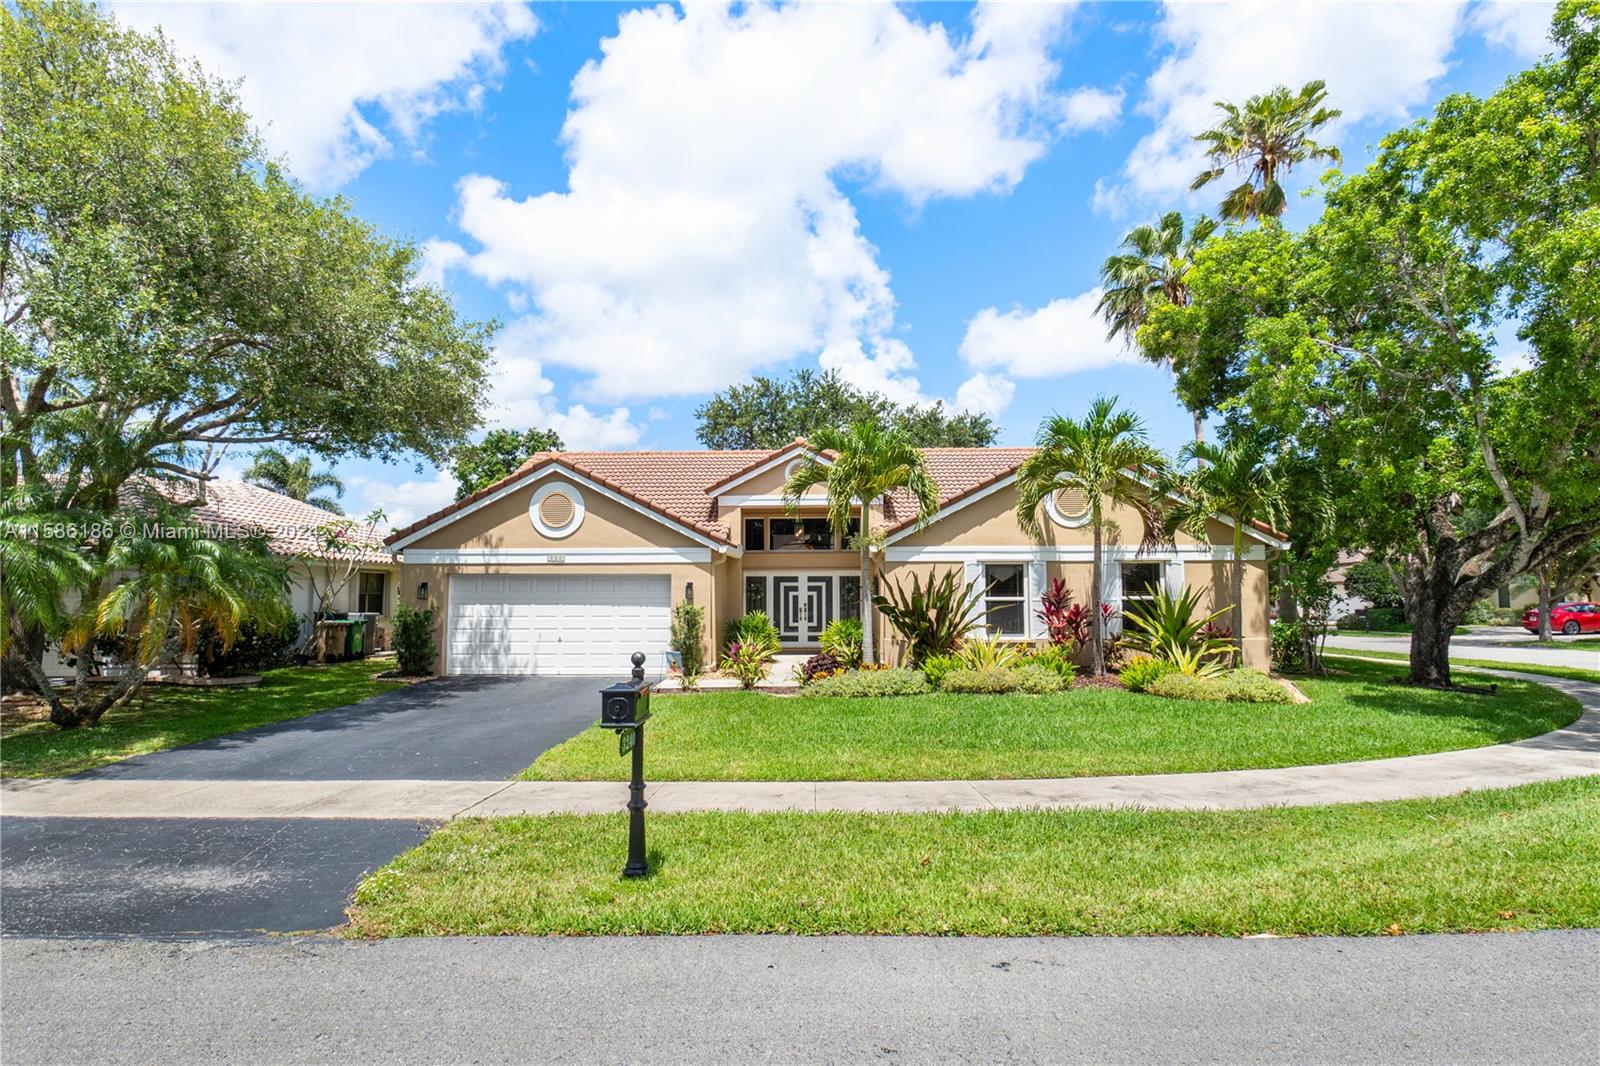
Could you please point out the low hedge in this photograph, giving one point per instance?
(1236, 686)
(857, 684)
(1029, 678)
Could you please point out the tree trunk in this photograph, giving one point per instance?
(1097, 654)
(1544, 602)
(1238, 589)
(869, 653)
(1199, 427)
(1433, 620)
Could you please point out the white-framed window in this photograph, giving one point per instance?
(1005, 599)
(1141, 584)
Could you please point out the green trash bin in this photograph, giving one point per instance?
(354, 631)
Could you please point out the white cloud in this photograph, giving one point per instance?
(436, 259)
(703, 234)
(402, 502)
(316, 76)
(1378, 61)
(985, 394)
(524, 398)
(1064, 336)
(1089, 108)
(1522, 27)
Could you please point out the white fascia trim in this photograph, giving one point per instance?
(1011, 553)
(557, 556)
(769, 500)
(555, 468)
(777, 460)
(952, 508)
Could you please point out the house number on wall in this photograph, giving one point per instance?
(555, 558)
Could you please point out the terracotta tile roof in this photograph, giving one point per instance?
(681, 486)
(292, 527)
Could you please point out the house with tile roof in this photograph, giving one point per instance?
(335, 563)
(575, 560)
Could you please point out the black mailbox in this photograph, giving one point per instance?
(625, 704)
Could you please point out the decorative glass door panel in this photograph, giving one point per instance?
(804, 604)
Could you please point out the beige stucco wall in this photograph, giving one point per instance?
(505, 524)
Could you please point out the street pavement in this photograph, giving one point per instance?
(1523, 998)
(1504, 644)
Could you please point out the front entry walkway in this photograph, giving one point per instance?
(1570, 752)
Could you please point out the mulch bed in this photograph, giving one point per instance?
(1103, 681)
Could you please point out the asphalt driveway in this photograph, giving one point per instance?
(451, 729)
(197, 876)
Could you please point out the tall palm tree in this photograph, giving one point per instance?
(1153, 266)
(867, 462)
(294, 478)
(1266, 137)
(1098, 457)
(1237, 480)
(41, 568)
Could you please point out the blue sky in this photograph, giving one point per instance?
(658, 201)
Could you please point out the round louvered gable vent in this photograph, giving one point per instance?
(556, 510)
(1068, 507)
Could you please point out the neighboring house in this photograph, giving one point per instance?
(298, 533)
(575, 561)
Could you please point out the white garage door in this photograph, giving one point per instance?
(552, 624)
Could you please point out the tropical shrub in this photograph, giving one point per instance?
(756, 631)
(1055, 658)
(1237, 686)
(257, 647)
(818, 667)
(413, 640)
(989, 681)
(1374, 582)
(1039, 680)
(989, 653)
(856, 684)
(1141, 671)
(747, 663)
(1055, 605)
(934, 618)
(1288, 647)
(1481, 613)
(842, 640)
(935, 667)
(1167, 628)
(1077, 621)
(688, 640)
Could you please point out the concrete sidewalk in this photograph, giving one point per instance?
(1570, 752)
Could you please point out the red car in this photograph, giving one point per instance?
(1568, 618)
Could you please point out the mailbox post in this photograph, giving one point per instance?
(624, 708)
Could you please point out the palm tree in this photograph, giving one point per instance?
(294, 478)
(1153, 266)
(1098, 457)
(1235, 480)
(41, 568)
(1266, 137)
(867, 462)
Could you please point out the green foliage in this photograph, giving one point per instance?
(989, 653)
(1056, 659)
(754, 630)
(935, 667)
(687, 638)
(1481, 613)
(1289, 647)
(841, 639)
(747, 662)
(1267, 137)
(933, 618)
(413, 640)
(1037, 679)
(1141, 671)
(1373, 581)
(294, 478)
(255, 648)
(867, 683)
(1235, 686)
(769, 413)
(1169, 628)
(1030, 678)
(497, 456)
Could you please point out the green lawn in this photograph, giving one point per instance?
(172, 716)
(1571, 673)
(1557, 642)
(1514, 859)
(748, 736)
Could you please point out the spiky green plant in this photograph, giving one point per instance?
(933, 618)
(989, 653)
(1172, 629)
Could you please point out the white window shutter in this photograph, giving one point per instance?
(973, 571)
(1037, 585)
(1111, 591)
(1175, 582)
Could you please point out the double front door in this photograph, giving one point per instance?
(802, 605)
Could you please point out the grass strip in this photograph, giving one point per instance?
(1570, 673)
(752, 736)
(168, 716)
(1520, 858)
